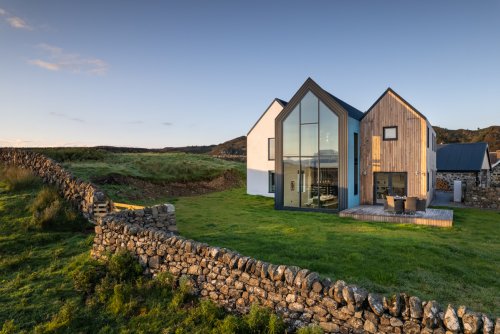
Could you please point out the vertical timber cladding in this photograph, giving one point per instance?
(406, 154)
(312, 86)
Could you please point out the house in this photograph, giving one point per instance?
(468, 162)
(317, 152)
(398, 151)
(495, 174)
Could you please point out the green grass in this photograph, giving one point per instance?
(49, 284)
(155, 167)
(458, 265)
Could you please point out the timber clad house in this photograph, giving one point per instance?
(317, 152)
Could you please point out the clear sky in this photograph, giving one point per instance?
(175, 73)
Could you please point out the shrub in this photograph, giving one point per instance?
(122, 301)
(88, 275)
(262, 320)
(182, 293)
(18, 178)
(49, 210)
(122, 266)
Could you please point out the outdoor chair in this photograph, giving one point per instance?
(399, 206)
(389, 202)
(421, 205)
(411, 205)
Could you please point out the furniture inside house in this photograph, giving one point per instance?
(411, 205)
(389, 204)
(421, 204)
(399, 205)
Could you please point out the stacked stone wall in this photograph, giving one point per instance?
(300, 296)
(487, 198)
(444, 180)
(495, 176)
(83, 195)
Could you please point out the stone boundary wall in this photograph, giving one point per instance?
(85, 196)
(444, 180)
(301, 297)
(486, 198)
(495, 176)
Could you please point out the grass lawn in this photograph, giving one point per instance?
(459, 265)
(49, 284)
(33, 264)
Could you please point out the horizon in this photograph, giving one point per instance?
(162, 74)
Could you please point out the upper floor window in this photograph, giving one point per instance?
(427, 137)
(270, 148)
(390, 132)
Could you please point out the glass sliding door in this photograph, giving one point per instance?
(393, 184)
(310, 156)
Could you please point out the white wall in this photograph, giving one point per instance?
(258, 164)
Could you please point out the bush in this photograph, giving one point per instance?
(49, 210)
(122, 266)
(65, 154)
(262, 320)
(18, 178)
(88, 275)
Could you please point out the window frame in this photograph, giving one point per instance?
(389, 127)
(271, 176)
(356, 163)
(269, 149)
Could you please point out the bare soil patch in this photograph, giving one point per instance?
(149, 189)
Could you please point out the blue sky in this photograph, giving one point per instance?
(159, 73)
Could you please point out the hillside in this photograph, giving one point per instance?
(236, 146)
(490, 135)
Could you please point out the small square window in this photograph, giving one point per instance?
(390, 132)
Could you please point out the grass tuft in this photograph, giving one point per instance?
(17, 178)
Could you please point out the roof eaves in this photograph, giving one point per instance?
(281, 102)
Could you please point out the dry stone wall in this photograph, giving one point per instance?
(301, 297)
(486, 198)
(444, 180)
(85, 196)
(495, 176)
(235, 281)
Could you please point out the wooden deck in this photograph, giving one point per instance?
(431, 217)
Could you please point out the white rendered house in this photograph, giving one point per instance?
(260, 152)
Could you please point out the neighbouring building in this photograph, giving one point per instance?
(467, 162)
(495, 174)
(317, 152)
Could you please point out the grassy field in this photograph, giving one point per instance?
(49, 284)
(140, 178)
(460, 265)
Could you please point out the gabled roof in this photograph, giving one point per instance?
(389, 89)
(281, 102)
(461, 157)
(353, 112)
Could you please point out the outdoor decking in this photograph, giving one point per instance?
(431, 217)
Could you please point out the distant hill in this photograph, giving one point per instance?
(236, 146)
(490, 135)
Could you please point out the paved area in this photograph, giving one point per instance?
(445, 198)
(431, 217)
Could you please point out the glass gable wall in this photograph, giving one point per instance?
(311, 156)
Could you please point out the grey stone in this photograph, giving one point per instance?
(472, 322)
(451, 320)
(431, 314)
(416, 311)
(375, 302)
(488, 325)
